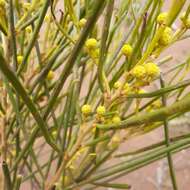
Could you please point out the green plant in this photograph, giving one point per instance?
(73, 76)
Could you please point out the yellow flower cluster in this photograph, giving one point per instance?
(28, 29)
(141, 91)
(19, 59)
(47, 18)
(146, 72)
(101, 110)
(166, 37)
(92, 49)
(82, 22)
(155, 105)
(91, 44)
(116, 119)
(86, 109)
(139, 72)
(54, 134)
(127, 50)
(127, 88)
(152, 70)
(117, 85)
(95, 54)
(161, 19)
(50, 75)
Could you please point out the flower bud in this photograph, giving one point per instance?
(86, 109)
(95, 53)
(161, 19)
(141, 91)
(139, 72)
(152, 70)
(117, 85)
(166, 37)
(28, 29)
(116, 119)
(101, 110)
(50, 75)
(82, 22)
(19, 59)
(126, 88)
(91, 43)
(127, 50)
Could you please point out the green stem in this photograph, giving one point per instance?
(181, 107)
(6, 172)
(167, 140)
(76, 50)
(174, 11)
(12, 33)
(34, 36)
(18, 182)
(153, 146)
(103, 82)
(134, 164)
(160, 91)
(22, 92)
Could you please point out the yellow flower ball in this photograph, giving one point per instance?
(54, 134)
(165, 40)
(82, 22)
(141, 91)
(2, 3)
(101, 110)
(166, 37)
(139, 72)
(157, 104)
(117, 85)
(86, 109)
(28, 29)
(127, 50)
(19, 59)
(47, 17)
(95, 53)
(161, 19)
(168, 30)
(152, 69)
(126, 88)
(91, 43)
(50, 75)
(116, 119)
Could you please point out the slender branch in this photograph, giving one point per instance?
(6, 172)
(22, 92)
(167, 140)
(35, 35)
(181, 107)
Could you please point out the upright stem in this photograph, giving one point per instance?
(8, 185)
(103, 82)
(35, 35)
(167, 140)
